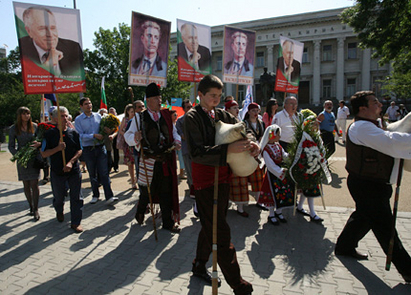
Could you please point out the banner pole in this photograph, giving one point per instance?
(42, 109)
(236, 93)
(60, 126)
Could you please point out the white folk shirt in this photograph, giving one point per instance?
(394, 144)
(129, 135)
(286, 124)
(343, 112)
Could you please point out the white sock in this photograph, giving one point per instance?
(195, 207)
(301, 201)
(311, 206)
(240, 208)
(271, 212)
(279, 211)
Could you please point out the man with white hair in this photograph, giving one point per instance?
(61, 174)
(287, 64)
(285, 120)
(197, 55)
(43, 45)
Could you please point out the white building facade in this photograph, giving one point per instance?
(333, 66)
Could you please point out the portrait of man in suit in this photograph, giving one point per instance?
(150, 62)
(290, 67)
(196, 55)
(239, 64)
(44, 46)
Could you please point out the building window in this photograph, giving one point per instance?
(327, 88)
(351, 87)
(352, 50)
(260, 59)
(219, 63)
(327, 53)
(305, 55)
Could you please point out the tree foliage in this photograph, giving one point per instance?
(383, 25)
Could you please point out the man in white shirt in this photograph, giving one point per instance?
(342, 115)
(392, 112)
(285, 119)
(372, 164)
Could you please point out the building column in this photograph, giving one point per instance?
(340, 69)
(270, 58)
(366, 67)
(316, 73)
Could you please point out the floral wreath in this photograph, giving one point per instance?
(306, 162)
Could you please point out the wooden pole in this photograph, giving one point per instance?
(395, 209)
(60, 127)
(322, 195)
(148, 188)
(215, 210)
(42, 109)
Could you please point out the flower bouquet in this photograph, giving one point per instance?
(306, 162)
(28, 152)
(108, 124)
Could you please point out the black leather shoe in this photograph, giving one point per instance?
(174, 229)
(139, 218)
(280, 217)
(354, 253)
(302, 211)
(60, 217)
(205, 275)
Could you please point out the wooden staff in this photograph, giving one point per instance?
(145, 171)
(60, 127)
(322, 195)
(395, 209)
(295, 199)
(215, 209)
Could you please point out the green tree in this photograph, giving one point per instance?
(383, 25)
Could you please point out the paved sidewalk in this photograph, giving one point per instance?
(116, 255)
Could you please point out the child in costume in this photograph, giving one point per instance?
(277, 192)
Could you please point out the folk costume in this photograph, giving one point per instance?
(277, 191)
(158, 137)
(239, 185)
(199, 128)
(372, 163)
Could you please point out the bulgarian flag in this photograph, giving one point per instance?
(103, 102)
(196, 101)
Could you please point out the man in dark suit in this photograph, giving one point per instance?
(292, 73)
(197, 55)
(150, 63)
(239, 65)
(44, 47)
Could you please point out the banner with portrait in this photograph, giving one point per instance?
(149, 43)
(50, 48)
(239, 52)
(193, 50)
(289, 65)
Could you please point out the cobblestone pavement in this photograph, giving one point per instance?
(114, 255)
